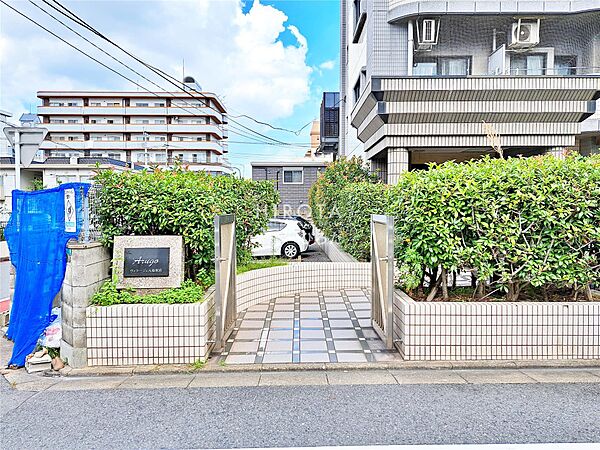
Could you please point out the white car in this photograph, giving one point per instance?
(283, 237)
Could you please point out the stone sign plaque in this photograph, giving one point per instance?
(146, 262)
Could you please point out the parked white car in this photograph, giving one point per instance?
(282, 238)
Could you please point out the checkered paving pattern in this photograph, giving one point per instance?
(309, 327)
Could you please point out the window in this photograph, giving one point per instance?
(95, 104)
(142, 121)
(160, 157)
(96, 154)
(356, 90)
(159, 104)
(57, 104)
(71, 138)
(93, 121)
(72, 121)
(442, 66)
(565, 65)
(142, 104)
(57, 121)
(159, 121)
(114, 138)
(116, 156)
(275, 226)
(293, 176)
(141, 157)
(356, 12)
(161, 138)
(532, 64)
(72, 104)
(113, 104)
(110, 121)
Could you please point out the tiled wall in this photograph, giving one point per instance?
(264, 284)
(124, 335)
(496, 331)
(332, 249)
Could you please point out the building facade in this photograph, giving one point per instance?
(293, 180)
(138, 127)
(428, 81)
(330, 124)
(5, 149)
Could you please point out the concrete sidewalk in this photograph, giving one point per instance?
(32, 382)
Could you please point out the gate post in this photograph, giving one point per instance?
(225, 268)
(382, 277)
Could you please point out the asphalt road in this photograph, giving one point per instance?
(300, 416)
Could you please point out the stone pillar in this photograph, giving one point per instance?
(398, 159)
(88, 266)
(557, 152)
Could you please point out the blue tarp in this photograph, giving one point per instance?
(41, 224)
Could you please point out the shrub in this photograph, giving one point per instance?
(323, 195)
(108, 295)
(518, 222)
(355, 204)
(183, 203)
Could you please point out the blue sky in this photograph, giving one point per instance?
(270, 59)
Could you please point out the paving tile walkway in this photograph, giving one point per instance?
(309, 327)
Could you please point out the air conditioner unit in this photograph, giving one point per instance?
(525, 34)
(427, 33)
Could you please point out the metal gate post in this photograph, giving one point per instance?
(382, 277)
(225, 269)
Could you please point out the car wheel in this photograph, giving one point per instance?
(290, 250)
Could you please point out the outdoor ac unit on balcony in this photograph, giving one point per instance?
(427, 33)
(525, 34)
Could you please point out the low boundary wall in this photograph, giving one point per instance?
(123, 335)
(333, 251)
(429, 331)
(262, 285)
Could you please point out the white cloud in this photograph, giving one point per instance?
(327, 65)
(238, 56)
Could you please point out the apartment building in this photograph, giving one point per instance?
(428, 81)
(144, 128)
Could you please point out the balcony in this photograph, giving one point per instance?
(403, 9)
(440, 112)
(183, 146)
(152, 111)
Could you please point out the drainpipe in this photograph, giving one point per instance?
(411, 49)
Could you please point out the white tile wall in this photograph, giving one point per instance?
(495, 331)
(124, 335)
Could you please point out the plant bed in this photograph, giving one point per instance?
(495, 330)
(468, 294)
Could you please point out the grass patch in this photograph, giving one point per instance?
(108, 295)
(261, 264)
(198, 365)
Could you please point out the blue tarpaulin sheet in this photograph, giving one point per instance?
(41, 224)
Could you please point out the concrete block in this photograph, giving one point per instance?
(75, 357)
(86, 254)
(67, 333)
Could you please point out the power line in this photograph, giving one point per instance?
(134, 71)
(74, 17)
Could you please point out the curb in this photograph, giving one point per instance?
(213, 367)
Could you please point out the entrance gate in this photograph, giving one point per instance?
(225, 268)
(382, 277)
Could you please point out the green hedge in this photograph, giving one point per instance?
(521, 223)
(183, 203)
(355, 204)
(323, 195)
